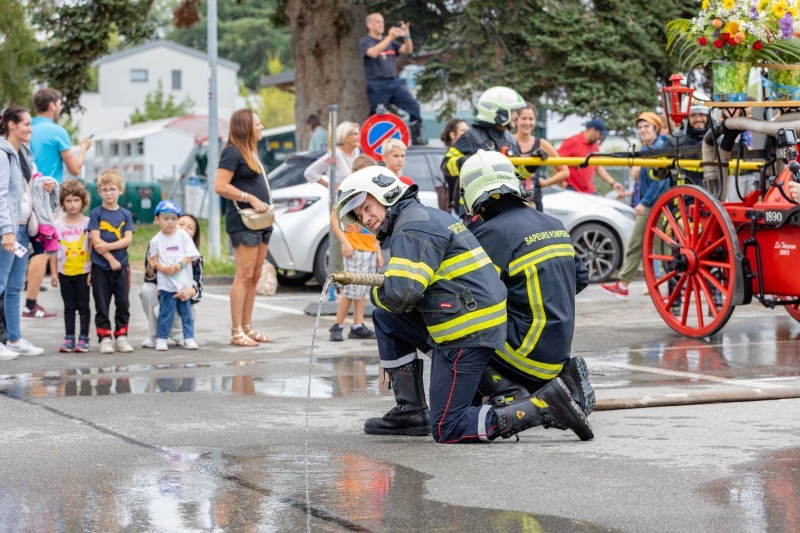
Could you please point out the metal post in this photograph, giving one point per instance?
(213, 141)
(332, 240)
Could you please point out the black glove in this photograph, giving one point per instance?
(540, 153)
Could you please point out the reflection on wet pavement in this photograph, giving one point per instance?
(262, 490)
(766, 492)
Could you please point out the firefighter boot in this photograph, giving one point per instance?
(499, 389)
(575, 376)
(549, 405)
(410, 416)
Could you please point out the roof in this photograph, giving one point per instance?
(150, 45)
(273, 80)
(194, 125)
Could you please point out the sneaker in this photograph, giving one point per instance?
(83, 345)
(106, 346)
(37, 312)
(149, 342)
(336, 332)
(6, 354)
(617, 290)
(361, 333)
(69, 344)
(190, 344)
(24, 347)
(161, 345)
(123, 346)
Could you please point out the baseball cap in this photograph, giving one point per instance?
(167, 206)
(599, 125)
(650, 118)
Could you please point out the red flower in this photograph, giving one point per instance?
(732, 42)
(703, 41)
(758, 45)
(718, 43)
(725, 36)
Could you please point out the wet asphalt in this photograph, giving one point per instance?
(219, 440)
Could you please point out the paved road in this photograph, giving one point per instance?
(91, 443)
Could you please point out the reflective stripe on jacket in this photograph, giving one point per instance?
(438, 268)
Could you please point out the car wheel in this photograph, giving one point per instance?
(599, 248)
(322, 262)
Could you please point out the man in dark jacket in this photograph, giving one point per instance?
(534, 256)
(440, 293)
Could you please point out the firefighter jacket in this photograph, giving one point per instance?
(480, 136)
(534, 256)
(438, 269)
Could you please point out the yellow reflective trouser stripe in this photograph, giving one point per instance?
(453, 155)
(469, 323)
(532, 367)
(461, 264)
(538, 317)
(542, 254)
(403, 268)
(378, 300)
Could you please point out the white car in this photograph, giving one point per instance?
(600, 227)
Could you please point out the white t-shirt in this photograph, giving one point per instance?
(171, 250)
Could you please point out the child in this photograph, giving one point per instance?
(73, 263)
(359, 249)
(393, 153)
(171, 252)
(149, 292)
(111, 228)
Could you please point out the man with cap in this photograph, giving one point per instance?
(581, 145)
(698, 125)
(441, 294)
(649, 125)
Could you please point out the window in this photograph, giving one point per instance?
(138, 74)
(176, 80)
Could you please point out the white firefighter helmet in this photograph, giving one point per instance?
(380, 182)
(485, 174)
(495, 105)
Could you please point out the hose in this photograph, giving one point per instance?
(355, 278)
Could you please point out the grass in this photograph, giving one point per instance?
(211, 267)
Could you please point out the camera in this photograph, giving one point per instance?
(399, 24)
(786, 137)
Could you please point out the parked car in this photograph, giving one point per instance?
(599, 227)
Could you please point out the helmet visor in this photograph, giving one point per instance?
(347, 215)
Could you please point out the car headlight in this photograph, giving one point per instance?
(296, 204)
(630, 213)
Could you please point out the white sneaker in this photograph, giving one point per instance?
(161, 345)
(123, 346)
(106, 346)
(6, 354)
(190, 344)
(24, 347)
(149, 342)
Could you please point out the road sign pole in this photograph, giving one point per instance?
(332, 240)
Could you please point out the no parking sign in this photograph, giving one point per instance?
(377, 129)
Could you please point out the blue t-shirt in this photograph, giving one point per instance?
(47, 142)
(383, 67)
(112, 226)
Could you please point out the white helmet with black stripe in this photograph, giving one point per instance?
(380, 182)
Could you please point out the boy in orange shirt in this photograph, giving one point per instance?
(360, 253)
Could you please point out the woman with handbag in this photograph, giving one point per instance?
(242, 180)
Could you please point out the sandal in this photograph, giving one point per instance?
(248, 330)
(239, 338)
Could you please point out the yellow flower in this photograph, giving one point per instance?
(763, 4)
(793, 11)
(731, 27)
(704, 5)
(728, 4)
(780, 8)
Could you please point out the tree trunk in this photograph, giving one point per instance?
(327, 64)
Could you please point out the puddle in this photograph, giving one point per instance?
(334, 378)
(261, 490)
(766, 492)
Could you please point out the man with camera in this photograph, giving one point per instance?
(380, 66)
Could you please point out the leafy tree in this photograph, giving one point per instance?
(18, 54)
(156, 106)
(275, 107)
(77, 33)
(245, 34)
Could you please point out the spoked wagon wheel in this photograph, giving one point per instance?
(794, 311)
(689, 253)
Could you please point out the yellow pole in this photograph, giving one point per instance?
(606, 161)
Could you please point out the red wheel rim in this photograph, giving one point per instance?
(689, 261)
(794, 311)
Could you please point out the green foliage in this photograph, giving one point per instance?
(77, 33)
(245, 36)
(18, 54)
(157, 106)
(274, 106)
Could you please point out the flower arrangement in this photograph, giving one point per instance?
(748, 31)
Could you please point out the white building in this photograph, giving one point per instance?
(125, 78)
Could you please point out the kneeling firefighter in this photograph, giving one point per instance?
(534, 256)
(440, 293)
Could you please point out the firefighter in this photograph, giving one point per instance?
(534, 256)
(490, 131)
(441, 294)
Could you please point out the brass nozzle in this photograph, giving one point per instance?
(355, 278)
